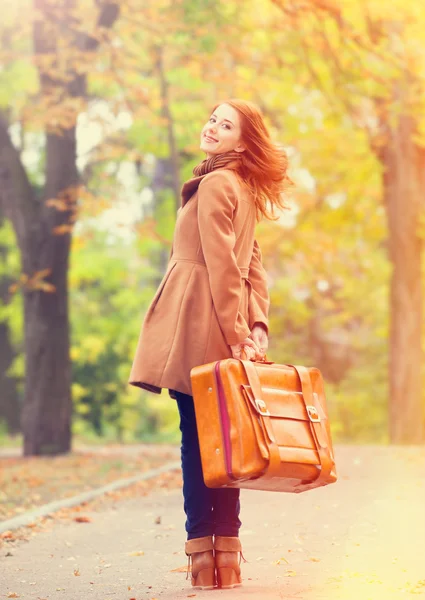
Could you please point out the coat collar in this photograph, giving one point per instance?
(190, 186)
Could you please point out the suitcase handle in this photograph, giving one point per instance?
(259, 360)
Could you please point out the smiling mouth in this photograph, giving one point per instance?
(209, 139)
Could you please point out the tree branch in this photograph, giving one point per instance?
(17, 198)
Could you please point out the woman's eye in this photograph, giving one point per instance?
(212, 119)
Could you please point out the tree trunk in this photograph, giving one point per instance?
(173, 160)
(404, 165)
(10, 408)
(9, 398)
(47, 410)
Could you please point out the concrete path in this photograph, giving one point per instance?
(362, 538)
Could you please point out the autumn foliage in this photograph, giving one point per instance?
(100, 111)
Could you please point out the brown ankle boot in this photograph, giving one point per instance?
(203, 571)
(227, 562)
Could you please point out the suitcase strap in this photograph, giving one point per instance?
(317, 427)
(274, 455)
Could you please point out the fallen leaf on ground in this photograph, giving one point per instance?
(12, 595)
(82, 519)
(180, 569)
(136, 553)
(313, 559)
(280, 561)
(290, 573)
(77, 572)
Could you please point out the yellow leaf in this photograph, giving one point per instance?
(41, 274)
(13, 288)
(58, 204)
(46, 287)
(180, 570)
(280, 561)
(61, 229)
(136, 553)
(12, 595)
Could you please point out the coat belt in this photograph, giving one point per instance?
(243, 270)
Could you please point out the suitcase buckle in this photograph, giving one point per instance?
(262, 407)
(313, 415)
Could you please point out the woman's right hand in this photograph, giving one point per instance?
(250, 348)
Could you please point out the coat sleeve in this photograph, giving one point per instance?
(217, 201)
(259, 300)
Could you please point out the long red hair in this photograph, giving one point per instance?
(263, 166)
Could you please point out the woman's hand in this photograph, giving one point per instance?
(259, 336)
(255, 346)
(249, 346)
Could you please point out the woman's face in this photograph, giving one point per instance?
(222, 132)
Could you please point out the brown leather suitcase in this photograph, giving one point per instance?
(262, 426)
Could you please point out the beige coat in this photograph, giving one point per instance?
(213, 291)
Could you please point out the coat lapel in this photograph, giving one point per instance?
(190, 187)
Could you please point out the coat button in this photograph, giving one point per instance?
(210, 389)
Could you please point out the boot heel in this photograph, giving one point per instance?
(227, 564)
(204, 580)
(200, 550)
(227, 578)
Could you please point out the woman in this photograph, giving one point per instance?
(212, 302)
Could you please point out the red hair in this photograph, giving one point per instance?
(263, 166)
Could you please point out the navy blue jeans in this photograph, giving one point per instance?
(209, 511)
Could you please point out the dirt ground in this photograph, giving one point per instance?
(27, 483)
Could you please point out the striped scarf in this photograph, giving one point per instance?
(216, 161)
(209, 164)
